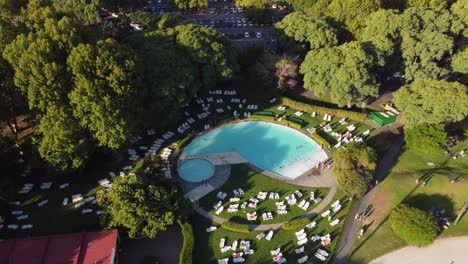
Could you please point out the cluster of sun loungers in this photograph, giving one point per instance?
(278, 256)
(237, 257)
(321, 254)
(301, 237)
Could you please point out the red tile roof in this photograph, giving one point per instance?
(75, 248)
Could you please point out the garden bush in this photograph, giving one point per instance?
(320, 140)
(189, 241)
(360, 117)
(426, 138)
(296, 223)
(240, 228)
(265, 113)
(413, 225)
(290, 124)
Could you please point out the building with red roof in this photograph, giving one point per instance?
(76, 248)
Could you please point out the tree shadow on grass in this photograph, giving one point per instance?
(433, 202)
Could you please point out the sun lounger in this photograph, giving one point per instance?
(279, 203)
(326, 213)
(232, 210)
(243, 205)
(26, 226)
(322, 252)
(315, 238)
(222, 242)
(302, 260)
(311, 225)
(241, 192)
(233, 200)
(322, 258)
(220, 210)
(223, 261)
(306, 206)
(269, 235)
(298, 193)
(281, 260)
(260, 236)
(86, 211)
(270, 216)
(234, 206)
(217, 205)
(22, 217)
(302, 242)
(42, 203)
(249, 251)
(300, 232)
(301, 203)
(236, 193)
(252, 205)
(336, 203)
(281, 207)
(234, 245)
(329, 118)
(337, 208)
(299, 250)
(211, 229)
(238, 260)
(17, 212)
(301, 237)
(225, 249)
(334, 222)
(317, 200)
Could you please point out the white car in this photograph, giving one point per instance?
(259, 34)
(247, 35)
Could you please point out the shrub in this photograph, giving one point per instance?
(319, 139)
(296, 223)
(290, 124)
(187, 247)
(261, 118)
(413, 225)
(426, 138)
(265, 113)
(357, 116)
(240, 228)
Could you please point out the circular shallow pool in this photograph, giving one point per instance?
(195, 170)
(272, 147)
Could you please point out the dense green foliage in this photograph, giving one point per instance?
(345, 71)
(318, 33)
(99, 77)
(240, 228)
(413, 225)
(432, 102)
(354, 168)
(141, 206)
(427, 138)
(296, 223)
(185, 256)
(187, 4)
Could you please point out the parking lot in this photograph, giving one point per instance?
(224, 16)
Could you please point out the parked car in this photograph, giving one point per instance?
(259, 35)
(247, 35)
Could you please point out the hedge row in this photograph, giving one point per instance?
(240, 228)
(296, 223)
(265, 113)
(189, 240)
(320, 140)
(360, 117)
(291, 123)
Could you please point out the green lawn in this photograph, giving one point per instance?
(207, 250)
(400, 186)
(252, 182)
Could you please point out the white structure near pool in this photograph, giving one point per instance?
(277, 149)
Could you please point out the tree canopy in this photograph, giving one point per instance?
(431, 101)
(427, 138)
(141, 206)
(413, 225)
(187, 4)
(345, 71)
(317, 32)
(354, 168)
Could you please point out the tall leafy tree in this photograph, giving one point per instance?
(428, 101)
(141, 206)
(434, 4)
(87, 11)
(303, 28)
(344, 71)
(62, 142)
(354, 168)
(106, 81)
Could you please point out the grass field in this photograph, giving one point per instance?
(400, 186)
(206, 250)
(252, 183)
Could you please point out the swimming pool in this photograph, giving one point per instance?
(275, 148)
(195, 170)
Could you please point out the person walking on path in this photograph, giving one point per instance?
(361, 232)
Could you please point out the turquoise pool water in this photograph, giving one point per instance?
(275, 148)
(195, 170)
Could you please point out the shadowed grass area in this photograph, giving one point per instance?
(253, 182)
(400, 186)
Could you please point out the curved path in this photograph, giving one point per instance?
(447, 250)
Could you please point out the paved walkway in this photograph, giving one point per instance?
(442, 251)
(195, 191)
(351, 229)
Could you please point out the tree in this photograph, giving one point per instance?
(345, 71)
(459, 62)
(428, 38)
(106, 81)
(141, 206)
(87, 11)
(415, 226)
(286, 73)
(317, 32)
(61, 140)
(427, 138)
(434, 4)
(431, 101)
(354, 168)
(187, 4)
